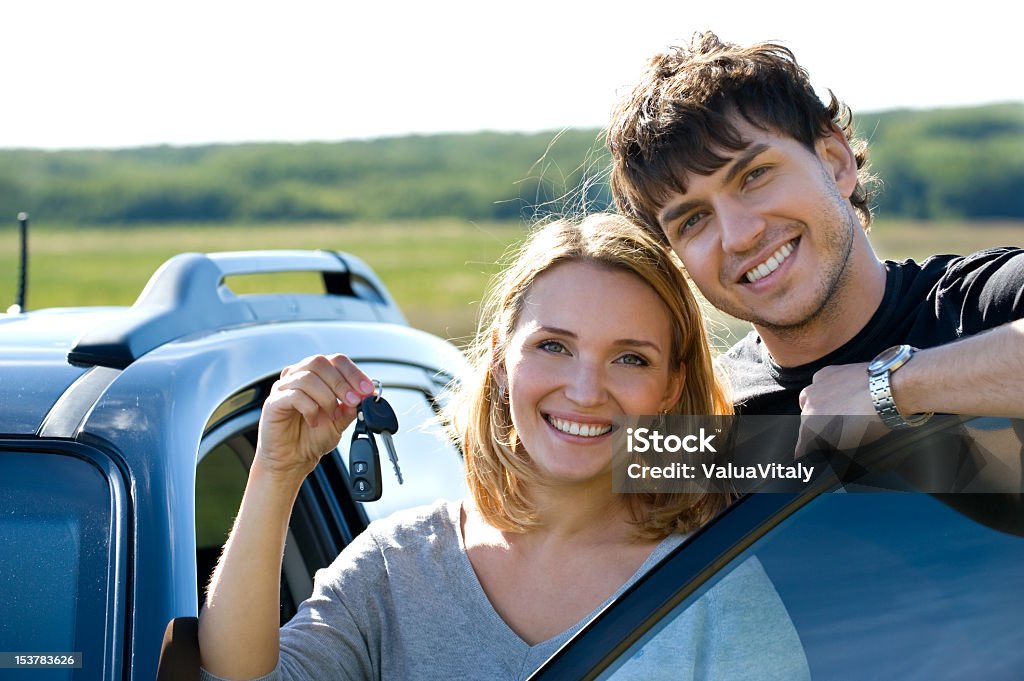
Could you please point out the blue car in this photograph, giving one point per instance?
(125, 440)
(126, 435)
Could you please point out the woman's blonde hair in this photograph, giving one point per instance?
(498, 470)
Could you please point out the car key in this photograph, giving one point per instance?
(380, 418)
(364, 464)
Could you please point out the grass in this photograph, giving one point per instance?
(436, 270)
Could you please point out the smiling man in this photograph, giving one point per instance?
(727, 155)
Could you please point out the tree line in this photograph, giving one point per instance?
(963, 163)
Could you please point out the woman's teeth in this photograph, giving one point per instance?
(581, 429)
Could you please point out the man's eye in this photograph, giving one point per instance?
(551, 346)
(691, 222)
(756, 173)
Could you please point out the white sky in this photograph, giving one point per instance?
(117, 73)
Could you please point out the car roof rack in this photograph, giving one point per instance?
(187, 295)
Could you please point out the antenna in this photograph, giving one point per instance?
(19, 305)
(23, 221)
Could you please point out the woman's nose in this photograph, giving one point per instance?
(587, 385)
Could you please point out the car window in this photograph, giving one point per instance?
(57, 530)
(872, 585)
(431, 465)
(221, 476)
(220, 482)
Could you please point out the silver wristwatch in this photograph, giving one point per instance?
(879, 370)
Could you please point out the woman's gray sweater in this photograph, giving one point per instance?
(402, 602)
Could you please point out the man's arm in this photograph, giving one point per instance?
(981, 375)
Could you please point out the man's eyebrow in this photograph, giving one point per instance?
(744, 160)
(670, 215)
(740, 163)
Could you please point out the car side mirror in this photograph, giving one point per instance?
(179, 653)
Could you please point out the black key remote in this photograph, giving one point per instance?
(364, 465)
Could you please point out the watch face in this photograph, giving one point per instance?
(888, 357)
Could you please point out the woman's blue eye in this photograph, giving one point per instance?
(552, 346)
(634, 360)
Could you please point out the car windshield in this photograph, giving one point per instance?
(56, 530)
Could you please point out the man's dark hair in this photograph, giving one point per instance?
(677, 118)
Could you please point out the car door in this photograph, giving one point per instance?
(837, 583)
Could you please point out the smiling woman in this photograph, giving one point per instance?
(570, 372)
(586, 311)
(591, 322)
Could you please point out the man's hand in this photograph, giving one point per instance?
(837, 408)
(838, 390)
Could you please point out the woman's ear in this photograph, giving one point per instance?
(500, 381)
(498, 364)
(835, 152)
(675, 389)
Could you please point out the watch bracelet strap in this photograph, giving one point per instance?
(881, 397)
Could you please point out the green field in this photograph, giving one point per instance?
(437, 271)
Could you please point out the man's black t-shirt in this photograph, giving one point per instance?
(927, 304)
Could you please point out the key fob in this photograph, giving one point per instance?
(364, 468)
(378, 415)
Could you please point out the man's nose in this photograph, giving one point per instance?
(587, 385)
(741, 227)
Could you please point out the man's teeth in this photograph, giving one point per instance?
(771, 264)
(581, 429)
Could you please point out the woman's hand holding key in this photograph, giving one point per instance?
(306, 412)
